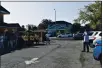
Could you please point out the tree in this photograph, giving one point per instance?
(31, 27)
(91, 13)
(41, 26)
(87, 27)
(34, 28)
(23, 27)
(75, 27)
(44, 23)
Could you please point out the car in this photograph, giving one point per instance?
(94, 41)
(78, 36)
(92, 45)
(97, 51)
(49, 35)
(93, 35)
(98, 35)
(65, 35)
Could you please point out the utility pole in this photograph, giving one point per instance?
(55, 19)
(55, 14)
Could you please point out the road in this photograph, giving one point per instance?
(59, 54)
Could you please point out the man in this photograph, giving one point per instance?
(6, 41)
(47, 39)
(86, 42)
(1, 44)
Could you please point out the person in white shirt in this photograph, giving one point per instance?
(85, 42)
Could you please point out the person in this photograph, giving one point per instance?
(47, 39)
(36, 39)
(44, 38)
(1, 44)
(85, 42)
(6, 42)
(20, 42)
(11, 42)
(1, 41)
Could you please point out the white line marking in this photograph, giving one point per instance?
(34, 60)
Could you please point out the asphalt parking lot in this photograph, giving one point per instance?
(59, 54)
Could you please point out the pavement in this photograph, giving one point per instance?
(59, 54)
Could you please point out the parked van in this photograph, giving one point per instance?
(93, 35)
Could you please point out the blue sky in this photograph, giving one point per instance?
(33, 12)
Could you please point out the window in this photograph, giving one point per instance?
(100, 34)
(90, 33)
(96, 33)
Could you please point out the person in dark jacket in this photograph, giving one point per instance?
(20, 42)
(6, 42)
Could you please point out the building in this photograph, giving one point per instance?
(3, 12)
(7, 26)
(59, 26)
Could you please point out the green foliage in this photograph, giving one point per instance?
(44, 24)
(91, 13)
(31, 27)
(75, 27)
(23, 27)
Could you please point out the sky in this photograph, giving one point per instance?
(34, 12)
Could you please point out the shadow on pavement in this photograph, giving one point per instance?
(24, 47)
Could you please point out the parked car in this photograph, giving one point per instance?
(92, 45)
(94, 41)
(97, 52)
(98, 35)
(78, 36)
(49, 35)
(93, 35)
(67, 35)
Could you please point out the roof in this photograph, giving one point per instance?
(9, 25)
(3, 24)
(60, 22)
(3, 10)
(13, 25)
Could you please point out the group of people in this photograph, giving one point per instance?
(10, 41)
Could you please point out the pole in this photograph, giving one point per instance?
(55, 15)
(55, 19)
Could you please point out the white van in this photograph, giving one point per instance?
(94, 34)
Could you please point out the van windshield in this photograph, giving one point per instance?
(96, 33)
(90, 33)
(100, 34)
